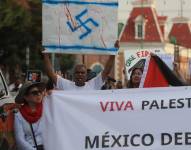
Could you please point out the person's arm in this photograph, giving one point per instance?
(126, 78)
(48, 67)
(22, 144)
(108, 67)
(109, 64)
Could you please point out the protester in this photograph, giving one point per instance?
(135, 78)
(80, 75)
(27, 122)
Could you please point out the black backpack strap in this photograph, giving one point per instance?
(33, 136)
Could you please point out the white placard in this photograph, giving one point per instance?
(80, 26)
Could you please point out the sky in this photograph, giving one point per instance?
(170, 8)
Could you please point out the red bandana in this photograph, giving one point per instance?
(29, 115)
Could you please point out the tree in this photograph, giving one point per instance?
(20, 27)
(66, 62)
(15, 22)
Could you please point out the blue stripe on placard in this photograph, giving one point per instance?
(111, 4)
(79, 47)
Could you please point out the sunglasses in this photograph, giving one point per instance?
(36, 92)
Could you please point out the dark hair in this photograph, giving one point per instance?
(130, 83)
(49, 85)
(111, 79)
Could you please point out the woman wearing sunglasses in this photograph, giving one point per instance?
(27, 122)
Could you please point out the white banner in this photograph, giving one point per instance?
(141, 119)
(80, 26)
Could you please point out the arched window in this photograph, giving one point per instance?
(140, 23)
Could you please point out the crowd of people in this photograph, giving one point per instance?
(27, 123)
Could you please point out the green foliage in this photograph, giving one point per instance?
(15, 32)
(21, 27)
(66, 62)
(14, 16)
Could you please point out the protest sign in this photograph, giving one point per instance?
(134, 58)
(80, 26)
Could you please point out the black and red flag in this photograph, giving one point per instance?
(157, 74)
